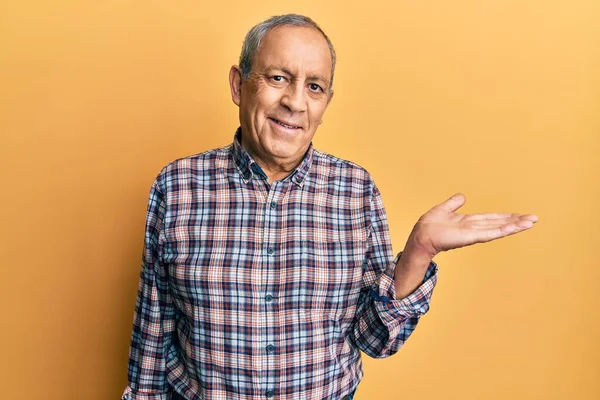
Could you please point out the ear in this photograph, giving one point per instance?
(235, 84)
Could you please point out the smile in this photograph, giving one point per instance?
(284, 124)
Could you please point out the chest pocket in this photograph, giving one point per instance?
(331, 276)
(202, 268)
(187, 260)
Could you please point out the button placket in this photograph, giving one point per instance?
(272, 240)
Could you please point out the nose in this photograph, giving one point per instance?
(293, 98)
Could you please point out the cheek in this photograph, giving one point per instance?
(253, 96)
(315, 113)
(265, 96)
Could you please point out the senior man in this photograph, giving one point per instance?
(267, 264)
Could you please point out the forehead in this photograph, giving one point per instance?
(301, 49)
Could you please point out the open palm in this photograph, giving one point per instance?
(442, 228)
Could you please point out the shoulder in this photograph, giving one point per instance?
(330, 167)
(204, 165)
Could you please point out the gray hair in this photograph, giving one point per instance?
(259, 31)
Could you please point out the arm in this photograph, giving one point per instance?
(386, 318)
(153, 321)
(410, 270)
(383, 324)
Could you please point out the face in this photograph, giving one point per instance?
(283, 101)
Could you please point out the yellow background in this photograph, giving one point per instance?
(499, 100)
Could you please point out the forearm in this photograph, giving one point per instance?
(410, 271)
(385, 322)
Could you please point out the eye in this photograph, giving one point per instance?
(315, 88)
(277, 78)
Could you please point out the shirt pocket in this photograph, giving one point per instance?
(331, 276)
(187, 263)
(200, 265)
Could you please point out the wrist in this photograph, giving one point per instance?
(415, 252)
(410, 271)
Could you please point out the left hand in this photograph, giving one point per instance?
(441, 228)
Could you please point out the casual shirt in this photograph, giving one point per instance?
(258, 290)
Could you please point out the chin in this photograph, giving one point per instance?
(282, 152)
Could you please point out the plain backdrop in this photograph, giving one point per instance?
(499, 100)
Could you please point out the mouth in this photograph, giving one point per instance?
(285, 124)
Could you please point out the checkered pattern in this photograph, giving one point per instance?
(251, 290)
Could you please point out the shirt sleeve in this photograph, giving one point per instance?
(383, 324)
(153, 321)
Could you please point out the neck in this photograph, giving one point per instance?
(275, 169)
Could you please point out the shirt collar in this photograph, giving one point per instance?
(249, 169)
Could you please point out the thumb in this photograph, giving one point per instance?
(453, 203)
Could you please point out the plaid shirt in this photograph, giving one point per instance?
(251, 290)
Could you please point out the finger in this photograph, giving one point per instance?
(531, 217)
(489, 216)
(487, 235)
(526, 224)
(482, 227)
(453, 203)
(496, 216)
(499, 221)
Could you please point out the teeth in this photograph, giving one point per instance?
(287, 126)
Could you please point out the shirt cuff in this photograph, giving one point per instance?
(130, 394)
(414, 305)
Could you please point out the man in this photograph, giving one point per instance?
(267, 264)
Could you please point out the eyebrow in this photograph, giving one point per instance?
(310, 77)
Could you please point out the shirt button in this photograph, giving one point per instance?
(270, 393)
(271, 250)
(270, 348)
(268, 298)
(273, 205)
